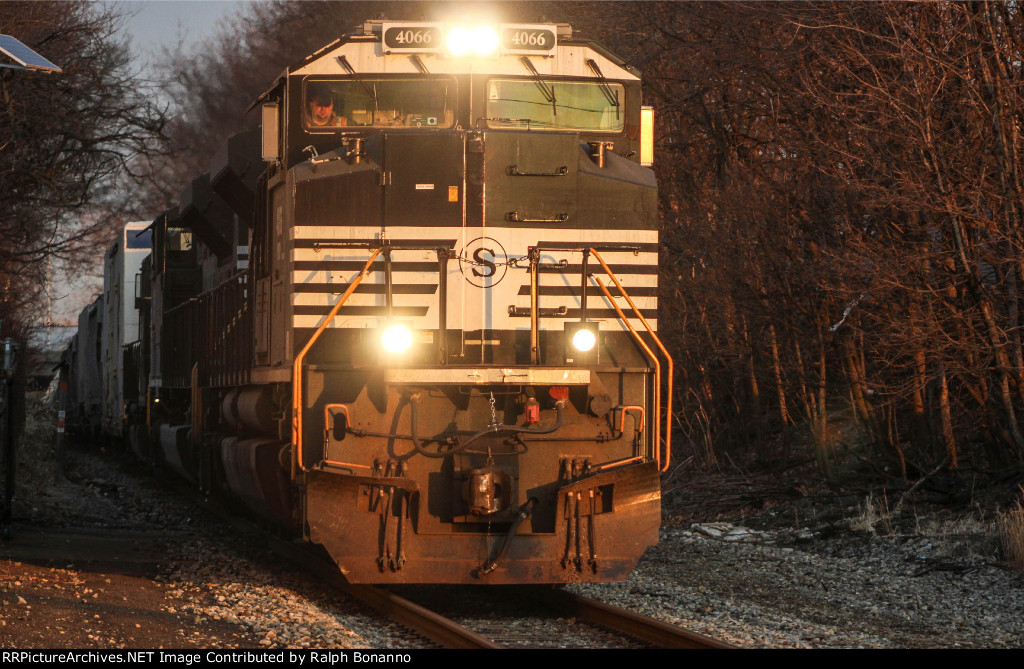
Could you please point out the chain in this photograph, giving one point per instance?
(512, 261)
(494, 416)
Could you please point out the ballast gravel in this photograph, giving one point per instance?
(227, 580)
(775, 588)
(845, 591)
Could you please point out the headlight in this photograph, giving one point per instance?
(485, 40)
(458, 41)
(396, 338)
(583, 340)
(481, 41)
(581, 343)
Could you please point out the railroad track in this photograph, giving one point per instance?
(435, 627)
(617, 627)
(546, 617)
(650, 630)
(586, 622)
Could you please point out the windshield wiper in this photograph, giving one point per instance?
(548, 93)
(606, 88)
(501, 119)
(352, 71)
(425, 72)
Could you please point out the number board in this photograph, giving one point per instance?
(536, 40)
(412, 37)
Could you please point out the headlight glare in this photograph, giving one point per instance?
(396, 338)
(485, 40)
(480, 41)
(583, 340)
(459, 41)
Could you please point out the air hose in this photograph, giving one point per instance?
(414, 401)
(524, 512)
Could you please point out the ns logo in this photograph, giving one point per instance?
(483, 262)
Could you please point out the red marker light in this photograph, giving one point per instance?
(532, 411)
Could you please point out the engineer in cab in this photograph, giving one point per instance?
(320, 111)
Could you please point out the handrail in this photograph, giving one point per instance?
(654, 359)
(327, 431)
(513, 171)
(664, 351)
(623, 410)
(297, 367)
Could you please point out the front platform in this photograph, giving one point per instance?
(370, 526)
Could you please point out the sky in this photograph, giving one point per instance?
(151, 25)
(155, 24)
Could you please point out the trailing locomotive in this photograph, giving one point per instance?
(413, 318)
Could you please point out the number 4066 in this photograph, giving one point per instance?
(414, 37)
(526, 38)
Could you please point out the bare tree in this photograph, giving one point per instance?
(63, 138)
(212, 89)
(841, 195)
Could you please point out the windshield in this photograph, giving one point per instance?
(366, 101)
(136, 239)
(552, 104)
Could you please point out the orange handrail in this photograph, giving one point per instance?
(348, 421)
(654, 359)
(626, 409)
(664, 351)
(346, 465)
(617, 463)
(297, 367)
(344, 410)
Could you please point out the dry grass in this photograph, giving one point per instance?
(36, 462)
(1011, 535)
(948, 535)
(875, 517)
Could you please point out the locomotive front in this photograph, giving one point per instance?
(454, 269)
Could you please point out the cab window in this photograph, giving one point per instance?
(138, 239)
(555, 104)
(331, 105)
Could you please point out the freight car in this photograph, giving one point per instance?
(413, 316)
(94, 360)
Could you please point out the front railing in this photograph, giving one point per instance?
(214, 330)
(135, 369)
(386, 247)
(536, 312)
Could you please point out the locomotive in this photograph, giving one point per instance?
(412, 317)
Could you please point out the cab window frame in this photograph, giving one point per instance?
(619, 85)
(451, 92)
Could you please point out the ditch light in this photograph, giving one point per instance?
(396, 337)
(581, 343)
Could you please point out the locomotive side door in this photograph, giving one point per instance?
(424, 179)
(424, 205)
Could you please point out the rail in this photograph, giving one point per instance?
(385, 247)
(586, 274)
(651, 630)
(436, 628)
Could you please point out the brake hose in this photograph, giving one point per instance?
(414, 401)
